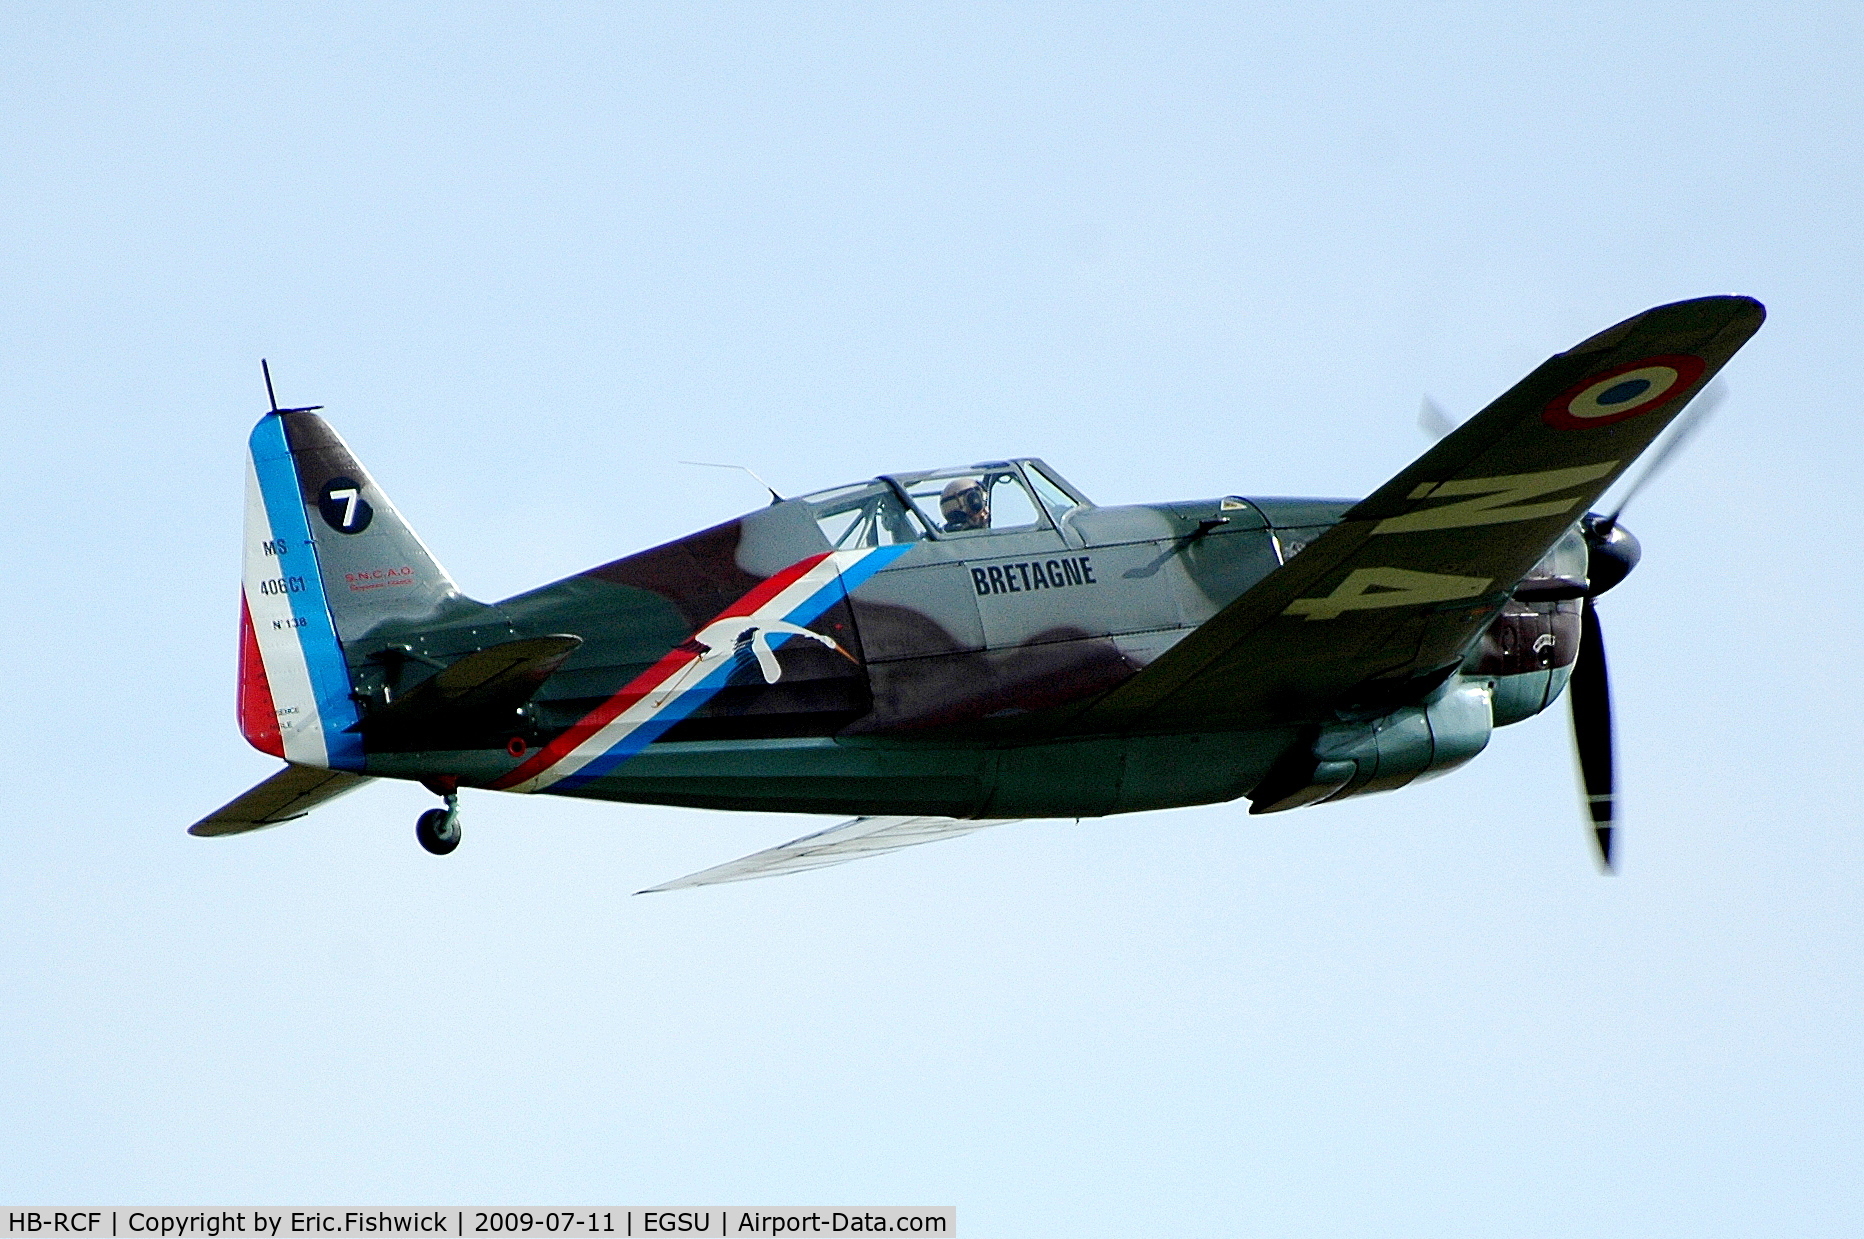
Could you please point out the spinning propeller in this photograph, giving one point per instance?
(1611, 554)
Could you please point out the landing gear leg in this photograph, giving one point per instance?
(439, 829)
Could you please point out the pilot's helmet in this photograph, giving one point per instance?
(964, 504)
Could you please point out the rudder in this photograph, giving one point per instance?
(327, 560)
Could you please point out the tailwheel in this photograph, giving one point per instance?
(438, 830)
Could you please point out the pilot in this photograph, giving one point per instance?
(964, 504)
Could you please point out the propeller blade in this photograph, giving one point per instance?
(1613, 552)
(1433, 421)
(1692, 420)
(1590, 691)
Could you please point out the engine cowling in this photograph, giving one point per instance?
(1528, 651)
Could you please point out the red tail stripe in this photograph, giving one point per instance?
(258, 713)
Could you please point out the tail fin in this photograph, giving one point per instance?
(327, 559)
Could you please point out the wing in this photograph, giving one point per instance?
(291, 793)
(864, 836)
(1382, 607)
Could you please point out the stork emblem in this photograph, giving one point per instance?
(738, 634)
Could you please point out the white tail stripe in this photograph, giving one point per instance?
(268, 583)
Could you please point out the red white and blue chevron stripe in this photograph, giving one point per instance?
(691, 673)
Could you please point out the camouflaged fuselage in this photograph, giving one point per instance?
(950, 672)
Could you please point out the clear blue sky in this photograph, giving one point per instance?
(530, 257)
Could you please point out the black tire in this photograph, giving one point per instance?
(436, 833)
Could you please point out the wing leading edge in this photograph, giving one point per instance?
(1383, 605)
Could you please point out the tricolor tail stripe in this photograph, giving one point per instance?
(687, 677)
(305, 670)
(258, 714)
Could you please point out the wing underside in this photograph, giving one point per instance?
(291, 793)
(1380, 608)
(851, 840)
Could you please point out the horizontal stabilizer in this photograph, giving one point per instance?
(488, 683)
(864, 836)
(291, 793)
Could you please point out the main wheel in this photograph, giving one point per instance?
(438, 831)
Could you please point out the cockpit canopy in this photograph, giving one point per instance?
(1001, 496)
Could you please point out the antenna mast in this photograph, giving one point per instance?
(267, 371)
(712, 464)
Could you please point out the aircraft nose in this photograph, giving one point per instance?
(1611, 553)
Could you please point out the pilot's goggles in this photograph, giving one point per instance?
(969, 500)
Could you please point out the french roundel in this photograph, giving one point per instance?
(1623, 391)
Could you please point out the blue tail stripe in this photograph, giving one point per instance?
(323, 653)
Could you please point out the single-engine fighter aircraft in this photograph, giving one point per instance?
(946, 650)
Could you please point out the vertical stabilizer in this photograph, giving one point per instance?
(327, 559)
